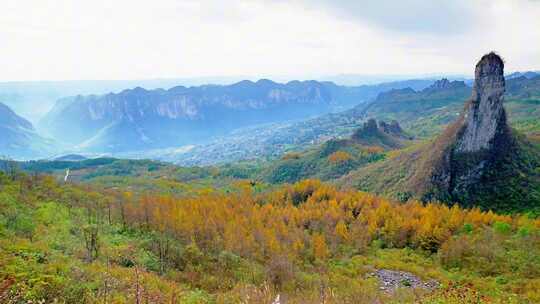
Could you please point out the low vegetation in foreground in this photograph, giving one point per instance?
(307, 242)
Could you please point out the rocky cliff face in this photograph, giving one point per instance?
(372, 127)
(391, 128)
(484, 117)
(475, 143)
(140, 119)
(479, 160)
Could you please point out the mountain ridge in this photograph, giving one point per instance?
(180, 114)
(192, 114)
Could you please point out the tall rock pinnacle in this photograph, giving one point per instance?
(486, 165)
(477, 145)
(478, 161)
(485, 117)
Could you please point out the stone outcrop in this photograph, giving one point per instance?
(391, 280)
(479, 160)
(372, 127)
(476, 143)
(484, 117)
(382, 134)
(391, 128)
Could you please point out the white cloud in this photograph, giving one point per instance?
(417, 16)
(130, 39)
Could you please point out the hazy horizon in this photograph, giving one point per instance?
(359, 79)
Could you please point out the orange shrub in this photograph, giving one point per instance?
(339, 157)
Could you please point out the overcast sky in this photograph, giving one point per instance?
(135, 39)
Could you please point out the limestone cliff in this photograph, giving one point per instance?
(479, 160)
(485, 117)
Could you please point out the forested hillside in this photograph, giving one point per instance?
(307, 242)
(337, 157)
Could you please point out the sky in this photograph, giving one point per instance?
(136, 39)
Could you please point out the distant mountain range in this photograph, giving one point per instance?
(439, 104)
(18, 138)
(422, 113)
(426, 112)
(140, 119)
(33, 99)
(528, 74)
(245, 119)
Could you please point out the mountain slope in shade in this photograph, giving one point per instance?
(18, 138)
(477, 161)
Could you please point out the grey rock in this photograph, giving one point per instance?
(390, 280)
(477, 157)
(485, 116)
(391, 128)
